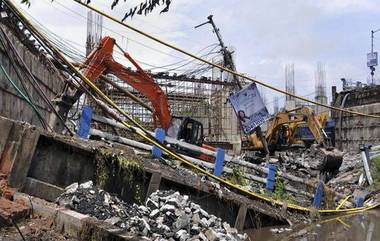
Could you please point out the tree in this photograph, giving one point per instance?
(145, 7)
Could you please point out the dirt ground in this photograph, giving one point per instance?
(35, 229)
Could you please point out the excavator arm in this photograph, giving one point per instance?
(100, 61)
(315, 126)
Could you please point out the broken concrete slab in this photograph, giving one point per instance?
(42, 189)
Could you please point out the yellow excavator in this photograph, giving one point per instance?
(282, 132)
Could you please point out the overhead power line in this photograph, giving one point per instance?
(219, 66)
(118, 33)
(78, 55)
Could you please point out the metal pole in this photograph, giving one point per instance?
(372, 32)
(363, 150)
(229, 63)
(373, 68)
(227, 55)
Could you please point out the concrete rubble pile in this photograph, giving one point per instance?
(298, 174)
(166, 215)
(304, 163)
(351, 175)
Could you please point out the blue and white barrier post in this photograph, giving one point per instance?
(271, 178)
(219, 161)
(318, 196)
(159, 133)
(85, 122)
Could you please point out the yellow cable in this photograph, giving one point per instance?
(343, 202)
(222, 67)
(344, 223)
(143, 133)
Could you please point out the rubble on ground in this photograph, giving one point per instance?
(304, 164)
(34, 229)
(166, 215)
(351, 175)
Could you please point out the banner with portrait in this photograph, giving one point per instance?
(249, 108)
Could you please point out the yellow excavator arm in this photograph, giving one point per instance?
(282, 128)
(314, 125)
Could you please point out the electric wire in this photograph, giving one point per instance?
(23, 96)
(144, 134)
(18, 229)
(254, 80)
(138, 129)
(116, 32)
(30, 77)
(75, 53)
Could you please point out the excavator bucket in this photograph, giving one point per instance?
(332, 159)
(326, 159)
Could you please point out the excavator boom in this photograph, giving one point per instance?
(100, 61)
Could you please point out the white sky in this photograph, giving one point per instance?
(265, 34)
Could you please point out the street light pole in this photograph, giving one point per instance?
(372, 36)
(372, 67)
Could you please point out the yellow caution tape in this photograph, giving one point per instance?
(144, 134)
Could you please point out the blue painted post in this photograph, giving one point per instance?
(85, 122)
(159, 133)
(318, 196)
(359, 202)
(271, 178)
(359, 197)
(219, 161)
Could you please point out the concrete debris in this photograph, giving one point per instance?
(35, 229)
(72, 188)
(166, 215)
(85, 185)
(280, 230)
(9, 208)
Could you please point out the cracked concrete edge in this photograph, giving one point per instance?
(74, 224)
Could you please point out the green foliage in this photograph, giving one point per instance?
(119, 167)
(109, 164)
(375, 166)
(376, 163)
(138, 195)
(26, 2)
(279, 190)
(238, 177)
(142, 8)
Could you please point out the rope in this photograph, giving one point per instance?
(145, 135)
(222, 67)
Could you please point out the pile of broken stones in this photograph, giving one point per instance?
(166, 215)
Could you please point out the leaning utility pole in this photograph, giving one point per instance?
(228, 61)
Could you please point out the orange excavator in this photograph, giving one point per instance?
(100, 62)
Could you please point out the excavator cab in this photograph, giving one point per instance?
(186, 129)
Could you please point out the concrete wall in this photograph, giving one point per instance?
(11, 104)
(42, 164)
(352, 130)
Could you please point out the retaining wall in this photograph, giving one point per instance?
(352, 130)
(42, 164)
